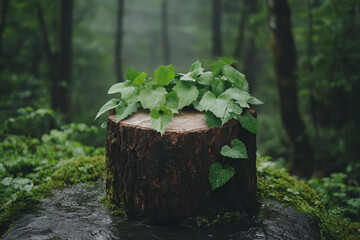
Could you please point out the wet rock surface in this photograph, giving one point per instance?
(75, 213)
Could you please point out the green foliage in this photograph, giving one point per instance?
(167, 91)
(27, 163)
(219, 174)
(237, 150)
(340, 194)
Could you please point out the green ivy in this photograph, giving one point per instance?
(223, 93)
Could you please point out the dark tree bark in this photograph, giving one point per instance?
(63, 98)
(216, 26)
(164, 31)
(283, 50)
(250, 60)
(59, 69)
(118, 41)
(4, 9)
(166, 178)
(241, 31)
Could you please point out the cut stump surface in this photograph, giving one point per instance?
(167, 178)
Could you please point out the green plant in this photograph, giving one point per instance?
(222, 92)
(340, 194)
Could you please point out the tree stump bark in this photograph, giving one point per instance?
(167, 178)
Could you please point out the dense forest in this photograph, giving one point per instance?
(59, 58)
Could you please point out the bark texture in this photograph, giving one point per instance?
(118, 41)
(166, 178)
(283, 50)
(216, 28)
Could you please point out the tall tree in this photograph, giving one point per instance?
(283, 50)
(63, 101)
(118, 41)
(216, 26)
(4, 8)
(164, 31)
(251, 66)
(241, 30)
(59, 60)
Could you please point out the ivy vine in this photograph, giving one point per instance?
(223, 93)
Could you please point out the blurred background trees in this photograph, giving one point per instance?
(65, 55)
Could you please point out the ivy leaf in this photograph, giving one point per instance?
(221, 105)
(237, 94)
(113, 103)
(237, 150)
(187, 77)
(196, 69)
(217, 106)
(206, 78)
(249, 122)
(217, 67)
(123, 111)
(243, 103)
(116, 88)
(140, 78)
(227, 60)
(255, 101)
(131, 74)
(160, 119)
(172, 102)
(235, 108)
(186, 92)
(208, 100)
(164, 74)
(130, 94)
(212, 120)
(220, 175)
(150, 98)
(218, 86)
(234, 76)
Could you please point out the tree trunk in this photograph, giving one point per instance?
(164, 31)
(4, 8)
(251, 64)
(167, 178)
(241, 31)
(283, 50)
(59, 62)
(216, 26)
(118, 41)
(63, 93)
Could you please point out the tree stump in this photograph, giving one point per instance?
(167, 178)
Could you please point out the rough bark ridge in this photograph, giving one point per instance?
(166, 178)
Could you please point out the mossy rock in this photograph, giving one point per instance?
(277, 185)
(79, 169)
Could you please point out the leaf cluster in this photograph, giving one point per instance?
(222, 92)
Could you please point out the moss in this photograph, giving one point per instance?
(80, 169)
(75, 170)
(277, 184)
(10, 213)
(228, 217)
(113, 208)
